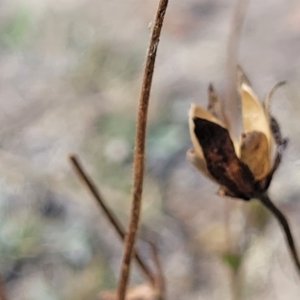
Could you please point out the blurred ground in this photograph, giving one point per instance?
(70, 73)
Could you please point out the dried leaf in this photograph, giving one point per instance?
(280, 141)
(214, 103)
(242, 77)
(269, 95)
(221, 159)
(255, 153)
(254, 117)
(197, 111)
(198, 162)
(281, 144)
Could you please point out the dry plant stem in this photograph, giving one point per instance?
(160, 280)
(236, 289)
(231, 109)
(139, 151)
(236, 277)
(231, 105)
(2, 291)
(229, 206)
(266, 201)
(113, 220)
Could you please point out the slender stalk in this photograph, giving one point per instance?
(112, 218)
(2, 291)
(266, 201)
(139, 151)
(231, 108)
(236, 288)
(160, 280)
(236, 277)
(231, 112)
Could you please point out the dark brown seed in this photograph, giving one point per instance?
(221, 159)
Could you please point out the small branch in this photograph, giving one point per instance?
(231, 112)
(2, 290)
(236, 288)
(266, 201)
(113, 220)
(139, 151)
(231, 108)
(159, 278)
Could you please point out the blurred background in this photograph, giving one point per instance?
(70, 75)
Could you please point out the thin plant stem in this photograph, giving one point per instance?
(236, 278)
(266, 201)
(236, 289)
(231, 112)
(2, 291)
(160, 280)
(112, 218)
(231, 109)
(139, 151)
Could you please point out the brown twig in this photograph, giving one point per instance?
(2, 290)
(159, 278)
(139, 151)
(92, 188)
(266, 201)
